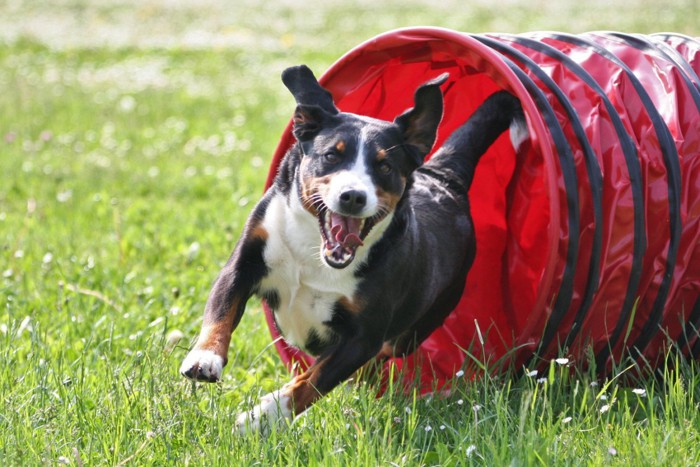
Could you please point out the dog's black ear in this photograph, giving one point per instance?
(306, 90)
(419, 124)
(308, 121)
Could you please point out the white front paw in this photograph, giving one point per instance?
(274, 409)
(202, 365)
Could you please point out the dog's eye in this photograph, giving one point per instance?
(384, 168)
(331, 158)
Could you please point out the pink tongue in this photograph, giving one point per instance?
(346, 230)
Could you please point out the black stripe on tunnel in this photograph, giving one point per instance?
(696, 349)
(671, 55)
(563, 301)
(631, 159)
(673, 172)
(634, 168)
(692, 80)
(668, 36)
(594, 175)
(565, 154)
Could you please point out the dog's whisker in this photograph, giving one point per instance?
(382, 212)
(396, 146)
(314, 202)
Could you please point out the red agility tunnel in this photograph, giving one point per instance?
(588, 237)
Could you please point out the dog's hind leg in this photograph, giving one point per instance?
(328, 371)
(461, 152)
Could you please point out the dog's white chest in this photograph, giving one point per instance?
(306, 290)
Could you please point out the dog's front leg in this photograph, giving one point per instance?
(328, 371)
(225, 306)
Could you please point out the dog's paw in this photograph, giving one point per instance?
(202, 365)
(273, 412)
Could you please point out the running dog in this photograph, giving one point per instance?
(359, 248)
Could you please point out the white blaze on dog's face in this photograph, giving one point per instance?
(352, 188)
(352, 175)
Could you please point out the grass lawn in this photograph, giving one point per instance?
(134, 138)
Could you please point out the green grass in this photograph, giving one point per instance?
(127, 168)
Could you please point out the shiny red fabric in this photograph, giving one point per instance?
(519, 202)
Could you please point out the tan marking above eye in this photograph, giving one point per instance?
(340, 146)
(381, 155)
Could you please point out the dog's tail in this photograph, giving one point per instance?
(463, 149)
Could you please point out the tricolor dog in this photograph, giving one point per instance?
(359, 247)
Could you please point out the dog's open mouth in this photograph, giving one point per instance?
(341, 236)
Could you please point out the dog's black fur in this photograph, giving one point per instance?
(396, 237)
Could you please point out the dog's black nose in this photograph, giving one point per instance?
(353, 201)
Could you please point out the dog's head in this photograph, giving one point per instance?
(354, 169)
